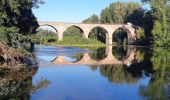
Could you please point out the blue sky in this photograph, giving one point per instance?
(71, 10)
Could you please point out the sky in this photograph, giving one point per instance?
(71, 10)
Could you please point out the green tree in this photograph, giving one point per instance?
(159, 37)
(160, 16)
(122, 12)
(73, 31)
(105, 16)
(158, 33)
(159, 12)
(97, 33)
(16, 17)
(93, 19)
(158, 87)
(168, 17)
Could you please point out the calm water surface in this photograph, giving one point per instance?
(110, 73)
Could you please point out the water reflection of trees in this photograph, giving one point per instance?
(151, 63)
(119, 52)
(159, 86)
(142, 67)
(154, 64)
(117, 74)
(17, 83)
(98, 54)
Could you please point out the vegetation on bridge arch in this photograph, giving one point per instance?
(46, 34)
(73, 35)
(73, 31)
(120, 37)
(98, 33)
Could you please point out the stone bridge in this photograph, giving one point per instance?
(86, 29)
(110, 59)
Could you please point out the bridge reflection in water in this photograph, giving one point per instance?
(109, 59)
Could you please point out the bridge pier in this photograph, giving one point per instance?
(109, 38)
(108, 50)
(109, 41)
(60, 36)
(86, 35)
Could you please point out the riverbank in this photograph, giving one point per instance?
(14, 58)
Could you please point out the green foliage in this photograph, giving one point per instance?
(159, 37)
(160, 11)
(168, 17)
(72, 36)
(117, 74)
(18, 13)
(140, 34)
(157, 30)
(17, 21)
(73, 31)
(5, 34)
(160, 58)
(67, 40)
(99, 54)
(105, 16)
(159, 84)
(120, 37)
(148, 23)
(98, 34)
(140, 56)
(122, 12)
(93, 19)
(44, 37)
(119, 52)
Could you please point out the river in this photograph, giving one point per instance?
(91, 73)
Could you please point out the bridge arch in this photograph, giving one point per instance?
(47, 25)
(126, 32)
(121, 53)
(76, 27)
(109, 29)
(99, 32)
(47, 33)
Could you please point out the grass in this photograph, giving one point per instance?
(76, 41)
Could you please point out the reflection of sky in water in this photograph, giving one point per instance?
(79, 82)
(47, 54)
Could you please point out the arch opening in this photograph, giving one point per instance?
(47, 27)
(121, 36)
(47, 34)
(73, 31)
(120, 52)
(73, 35)
(98, 33)
(98, 54)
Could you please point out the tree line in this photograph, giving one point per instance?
(153, 23)
(17, 21)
